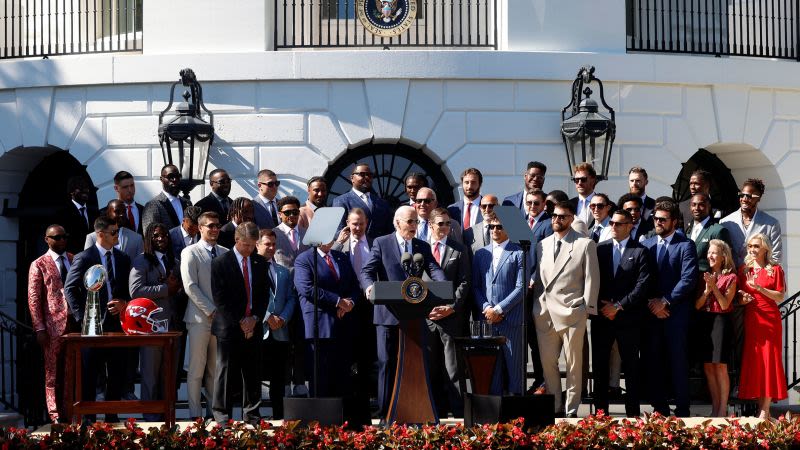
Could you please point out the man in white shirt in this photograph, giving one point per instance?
(585, 179)
(600, 206)
(289, 236)
(467, 211)
(265, 203)
(125, 188)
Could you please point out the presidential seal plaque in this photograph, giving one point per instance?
(414, 290)
(386, 18)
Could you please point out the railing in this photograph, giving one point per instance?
(21, 371)
(789, 310)
(760, 28)
(62, 27)
(334, 23)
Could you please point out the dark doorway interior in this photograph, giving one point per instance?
(723, 186)
(391, 163)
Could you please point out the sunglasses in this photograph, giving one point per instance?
(533, 203)
(425, 201)
(660, 219)
(363, 174)
(270, 183)
(291, 212)
(213, 226)
(223, 181)
(748, 196)
(597, 205)
(617, 224)
(497, 227)
(488, 206)
(411, 221)
(441, 224)
(561, 216)
(58, 237)
(113, 233)
(577, 180)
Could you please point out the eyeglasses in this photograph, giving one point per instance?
(112, 232)
(633, 210)
(748, 196)
(172, 176)
(533, 203)
(58, 237)
(561, 216)
(424, 200)
(597, 205)
(442, 224)
(487, 206)
(270, 183)
(363, 174)
(578, 180)
(213, 226)
(222, 181)
(291, 212)
(660, 219)
(617, 224)
(497, 227)
(411, 221)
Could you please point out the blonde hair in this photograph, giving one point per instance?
(727, 263)
(749, 261)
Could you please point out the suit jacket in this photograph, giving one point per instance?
(629, 286)
(456, 234)
(456, 211)
(648, 206)
(262, 217)
(384, 265)
(210, 203)
(345, 248)
(475, 238)
(176, 240)
(566, 289)
(330, 288)
(227, 236)
(516, 200)
(159, 209)
(132, 243)
(501, 287)
(284, 253)
(306, 214)
(685, 208)
(196, 278)
(644, 229)
(75, 225)
(75, 291)
(282, 302)
(711, 230)
(676, 279)
(46, 301)
(230, 297)
(542, 229)
(457, 269)
(380, 216)
(140, 208)
(761, 223)
(149, 280)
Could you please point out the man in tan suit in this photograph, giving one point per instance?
(566, 288)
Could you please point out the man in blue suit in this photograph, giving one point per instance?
(280, 309)
(673, 258)
(338, 290)
(187, 233)
(497, 279)
(362, 196)
(534, 179)
(384, 265)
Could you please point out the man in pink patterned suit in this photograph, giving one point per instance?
(49, 311)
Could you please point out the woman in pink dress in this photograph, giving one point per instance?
(715, 303)
(762, 286)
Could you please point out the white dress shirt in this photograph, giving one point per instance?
(698, 227)
(176, 205)
(55, 257)
(497, 252)
(583, 210)
(473, 213)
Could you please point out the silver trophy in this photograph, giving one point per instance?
(94, 279)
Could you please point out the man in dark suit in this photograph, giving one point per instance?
(585, 179)
(446, 322)
(187, 233)
(673, 258)
(477, 236)
(241, 211)
(534, 179)
(125, 188)
(166, 207)
(77, 217)
(362, 196)
(113, 298)
(240, 287)
(633, 204)
(624, 276)
(265, 203)
(217, 200)
(338, 290)
(637, 183)
(467, 211)
(384, 265)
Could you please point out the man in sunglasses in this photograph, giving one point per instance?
(585, 179)
(49, 313)
(166, 207)
(289, 236)
(425, 203)
(217, 200)
(128, 241)
(633, 204)
(362, 196)
(749, 221)
(477, 236)
(77, 216)
(600, 206)
(265, 203)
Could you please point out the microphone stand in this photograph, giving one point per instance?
(315, 370)
(526, 248)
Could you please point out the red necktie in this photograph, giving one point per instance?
(130, 218)
(330, 265)
(437, 254)
(467, 215)
(530, 222)
(246, 274)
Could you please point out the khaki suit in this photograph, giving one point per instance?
(565, 294)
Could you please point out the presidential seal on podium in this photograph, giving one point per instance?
(386, 18)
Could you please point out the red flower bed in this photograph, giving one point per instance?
(600, 432)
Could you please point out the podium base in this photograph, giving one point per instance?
(537, 410)
(326, 411)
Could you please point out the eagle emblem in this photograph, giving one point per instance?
(386, 18)
(386, 10)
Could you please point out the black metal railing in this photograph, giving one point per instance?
(21, 371)
(760, 28)
(789, 310)
(334, 23)
(62, 27)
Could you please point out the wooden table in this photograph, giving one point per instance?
(480, 356)
(73, 404)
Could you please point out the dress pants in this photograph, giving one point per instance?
(387, 340)
(151, 367)
(666, 349)
(111, 363)
(550, 344)
(274, 362)
(238, 367)
(54, 376)
(533, 343)
(447, 371)
(202, 364)
(334, 368)
(626, 334)
(508, 371)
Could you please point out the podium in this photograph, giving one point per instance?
(412, 399)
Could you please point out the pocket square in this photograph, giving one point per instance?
(452, 259)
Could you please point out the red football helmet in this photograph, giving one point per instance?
(139, 317)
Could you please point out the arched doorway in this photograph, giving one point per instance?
(723, 185)
(391, 164)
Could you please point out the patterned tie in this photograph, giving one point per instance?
(131, 219)
(109, 267)
(467, 215)
(246, 275)
(213, 252)
(437, 254)
(331, 266)
(63, 268)
(596, 233)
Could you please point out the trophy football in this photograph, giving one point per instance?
(94, 279)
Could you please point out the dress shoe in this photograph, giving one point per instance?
(129, 396)
(300, 390)
(572, 415)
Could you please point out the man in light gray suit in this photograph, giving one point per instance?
(196, 276)
(565, 291)
(749, 221)
(477, 236)
(130, 242)
(281, 307)
(289, 236)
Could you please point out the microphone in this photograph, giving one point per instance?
(405, 262)
(419, 264)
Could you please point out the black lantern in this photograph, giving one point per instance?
(588, 135)
(186, 138)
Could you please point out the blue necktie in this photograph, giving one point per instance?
(662, 253)
(617, 256)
